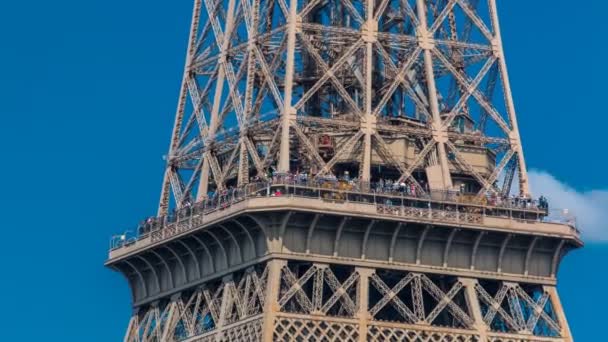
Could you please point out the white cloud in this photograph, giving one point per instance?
(590, 208)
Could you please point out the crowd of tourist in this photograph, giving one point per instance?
(273, 187)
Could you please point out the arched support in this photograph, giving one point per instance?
(475, 248)
(262, 227)
(366, 238)
(152, 269)
(207, 251)
(221, 247)
(556, 256)
(260, 224)
(199, 270)
(282, 228)
(131, 280)
(166, 264)
(421, 243)
(529, 254)
(140, 276)
(339, 234)
(249, 237)
(448, 245)
(501, 254)
(179, 260)
(391, 251)
(236, 243)
(311, 230)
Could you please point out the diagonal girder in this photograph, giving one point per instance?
(462, 79)
(326, 69)
(439, 295)
(329, 73)
(344, 150)
(390, 296)
(340, 292)
(295, 288)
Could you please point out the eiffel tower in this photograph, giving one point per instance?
(346, 170)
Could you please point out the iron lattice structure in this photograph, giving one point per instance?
(418, 88)
(340, 170)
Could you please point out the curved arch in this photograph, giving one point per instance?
(262, 227)
(162, 259)
(501, 254)
(529, 254)
(199, 271)
(207, 251)
(139, 277)
(219, 243)
(234, 240)
(258, 222)
(366, 237)
(179, 260)
(448, 245)
(157, 280)
(284, 224)
(421, 243)
(249, 237)
(556, 255)
(311, 230)
(391, 251)
(339, 234)
(475, 248)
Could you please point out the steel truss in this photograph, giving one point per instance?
(264, 79)
(300, 301)
(412, 91)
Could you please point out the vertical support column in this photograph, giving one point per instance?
(163, 206)
(514, 136)
(369, 35)
(152, 310)
(289, 112)
(217, 99)
(367, 159)
(439, 132)
(317, 288)
(172, 317)
(252, 32)
(363, 293)
(473, 302)
(271, 305)
(131, 335)
(559, 312)
(224, 308)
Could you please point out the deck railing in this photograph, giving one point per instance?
(446, 206)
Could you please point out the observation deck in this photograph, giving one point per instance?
(444, 233)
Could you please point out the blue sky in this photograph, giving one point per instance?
(87, 94)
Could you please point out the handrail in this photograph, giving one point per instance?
(438, 205)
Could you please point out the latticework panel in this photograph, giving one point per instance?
(247, 332)
(395, 334)
(206, 338)
(325, 303)
(247, 295)
(203, 310)
(515, 339)
(264, 82)
(513, 308)
(293, 329)
(309, 288)
(415, 298)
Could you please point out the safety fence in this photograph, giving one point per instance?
(446, 206)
